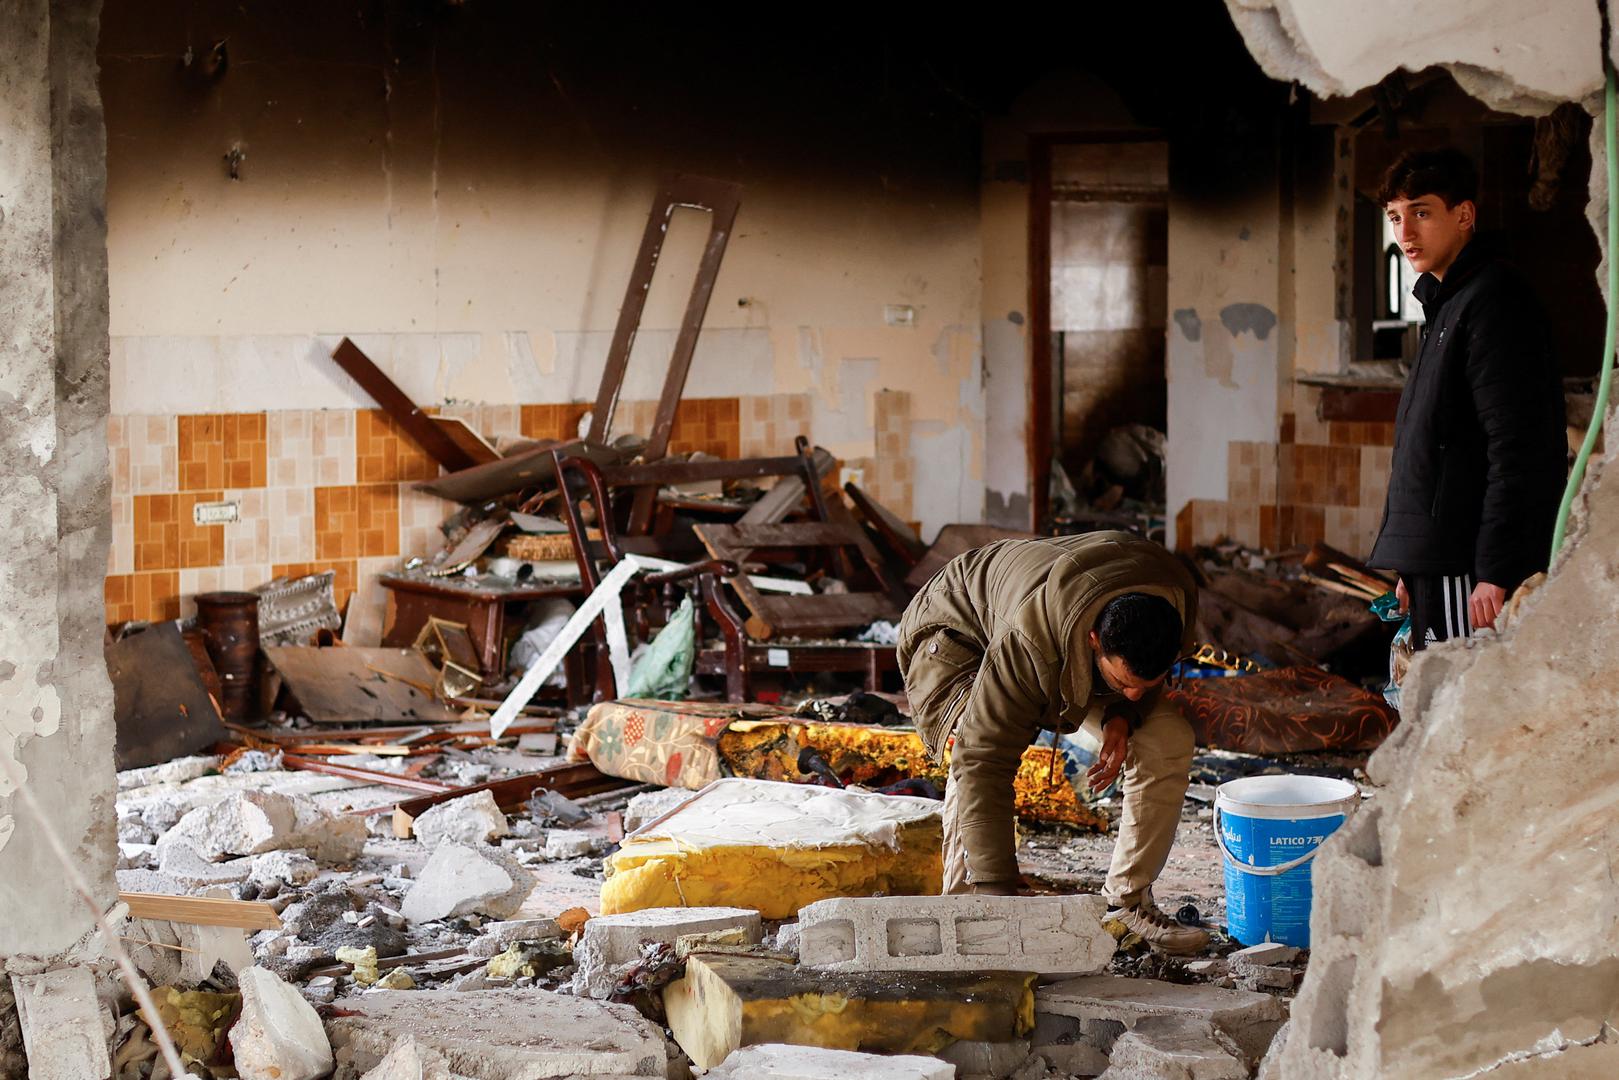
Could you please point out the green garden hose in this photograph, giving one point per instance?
(1577, 476)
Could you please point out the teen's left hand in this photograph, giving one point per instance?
(1485, 604)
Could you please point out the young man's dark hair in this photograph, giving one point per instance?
(1144, 631)
(1447, 173)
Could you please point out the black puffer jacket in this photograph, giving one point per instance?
(1480, 449)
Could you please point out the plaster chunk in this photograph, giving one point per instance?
(501, 1034)
(471, 819)
(279, 1035)
(408, 1061)
(461, 880)
(247, 823)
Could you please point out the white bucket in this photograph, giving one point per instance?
(1269, 829)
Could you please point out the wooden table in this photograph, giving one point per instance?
(479, 603)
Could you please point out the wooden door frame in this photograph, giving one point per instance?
(1039, 445)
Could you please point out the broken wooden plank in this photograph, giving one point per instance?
(342, 685)
(898, 537)
(439, 446)
(471, 443)
(530, 467)
(369, 776)
(202, 910)
(786, 495)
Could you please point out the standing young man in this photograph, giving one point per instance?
(1029, 634)
(1480, 451)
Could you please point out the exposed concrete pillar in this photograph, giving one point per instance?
(55, 698)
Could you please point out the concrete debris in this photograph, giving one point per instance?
(286, 867)
(496, 937)
(1175, 1048)
(1209, 969)
(65, 1029)
(253, 822)
(1051, 935)
(471, 819)
(177, 771)
(975, 1058)
(612, 943)
(1264, 954)
(1251, 1019)
(779, 1061)
(332, 919)
(1074, 1059)
(570, 844)
(246, 823)
(1263, 977)
(279, 1036)
(500, 1034)
(321, 990)
(408, 1061)
(180, 862)
(461, 880)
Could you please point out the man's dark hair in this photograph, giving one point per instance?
(1447, 173)
(1145, 631)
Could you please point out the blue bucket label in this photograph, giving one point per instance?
(1261, 909)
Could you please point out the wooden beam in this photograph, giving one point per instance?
(404, 412)
(202, 910)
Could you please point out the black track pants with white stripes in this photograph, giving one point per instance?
(1439, 608)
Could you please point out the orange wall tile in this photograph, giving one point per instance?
(222, 450)
(157, 532)
(550, 421)
(359, 521)
(385, 454)
(152, 597)
(199, 545)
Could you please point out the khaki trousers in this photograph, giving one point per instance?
(1157, 771)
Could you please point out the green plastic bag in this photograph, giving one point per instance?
(664, 671)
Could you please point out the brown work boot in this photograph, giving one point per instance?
(1159, 930)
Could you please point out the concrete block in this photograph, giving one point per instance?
(286, 867)
(461, 880)
(1208, 969)
(1265, 954)
(501, 1034)
(496, 937)
(64, 1027)
(612, 943)
(973, 1058)
(779, 1061)
(471, 819)
(1050, 935)
(1175, 1048)
(279, 1035)
(1249, 1018)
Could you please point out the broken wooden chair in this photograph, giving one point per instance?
(652, 599)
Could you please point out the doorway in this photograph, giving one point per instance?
(1099, 278)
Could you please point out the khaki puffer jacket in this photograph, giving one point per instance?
(995, 648)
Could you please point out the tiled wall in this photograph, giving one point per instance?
(1325, 480)
(331, 489)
